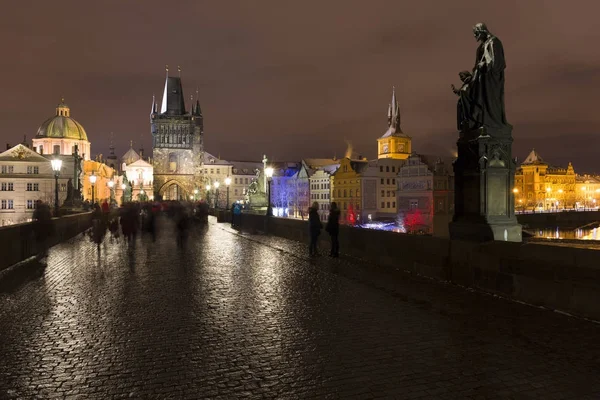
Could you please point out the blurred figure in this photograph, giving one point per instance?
(333, 228)
(149, 221)
(314, 227)
(129, 222)
(236, 215)
(42, 227)
(181, 225)
(105, 207)
(99, 225)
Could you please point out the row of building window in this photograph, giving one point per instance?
(390, 193)
(7, 205)
(242, 181)
(388, 181)
(387, 168)
(347, 193)
(317, 186)
(387, 205)
(319, 196)
(9, 169)
(31, 187)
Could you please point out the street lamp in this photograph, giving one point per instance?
(93, 178)
(56, 166)
(269, 175)
(216, 184)
(227, 183)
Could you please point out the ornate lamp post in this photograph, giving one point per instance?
(227, 183)
(208, 195)
(216, 184)
(269, 175)
(93, 178)
(111, 185)
(56, 166)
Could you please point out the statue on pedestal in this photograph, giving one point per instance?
(481, 102)
(484, 170)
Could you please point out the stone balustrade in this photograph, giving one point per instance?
(565, 278)
(18, 241)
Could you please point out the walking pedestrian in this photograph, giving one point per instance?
(333, 228)
(314, 227)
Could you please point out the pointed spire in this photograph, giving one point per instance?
(112, 146)
(131, 144)
(179, 71)
(394, 112)
(167, 69)
(193, 109)
(153, 111)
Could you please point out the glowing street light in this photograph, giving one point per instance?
(216, 185)
(56, 166)
(93, 178)
(227, 183)
(269, 175)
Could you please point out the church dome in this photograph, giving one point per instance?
(62, 126)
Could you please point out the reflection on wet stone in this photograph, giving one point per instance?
(231, 316)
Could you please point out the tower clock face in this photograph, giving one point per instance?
(386, 148)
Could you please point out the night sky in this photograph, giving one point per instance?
(298, 79)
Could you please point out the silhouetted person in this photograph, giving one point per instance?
(182, 225)
(98, 225)
(42, 227)
(314, 227)
(333, 228)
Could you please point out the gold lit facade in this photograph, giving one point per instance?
(542, 187)
(394, 143)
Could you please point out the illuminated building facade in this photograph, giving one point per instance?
(177, 149)
(542, 187)
(426, 194)
(394, 143)
(354, 189)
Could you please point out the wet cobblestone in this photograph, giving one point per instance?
(238, 316)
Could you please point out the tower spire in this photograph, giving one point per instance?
(179, 71)
(167, 69)
(112, 146)
(153, 111)
(394, 112)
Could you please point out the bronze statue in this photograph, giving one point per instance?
(481, 103)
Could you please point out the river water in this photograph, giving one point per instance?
(556, 233)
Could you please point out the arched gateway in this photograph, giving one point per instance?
(172, 190)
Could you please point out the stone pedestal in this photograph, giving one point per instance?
(484, 174)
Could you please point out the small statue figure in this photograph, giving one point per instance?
(465, 102)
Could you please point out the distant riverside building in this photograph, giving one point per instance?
(25, 177)
(59, 137)
(177, 144)
(540, 186)
(426, 194)
(354, 189)
(394, 143)
(320, 172)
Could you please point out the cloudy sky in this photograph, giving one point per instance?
(299, 79)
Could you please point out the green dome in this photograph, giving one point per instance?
(62, 126)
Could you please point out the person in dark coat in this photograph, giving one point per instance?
(314, 227)
(333, 228)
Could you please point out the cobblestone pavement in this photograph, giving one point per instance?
(234, 316)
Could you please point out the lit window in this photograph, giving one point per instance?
(30, 204)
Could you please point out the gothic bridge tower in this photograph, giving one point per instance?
(177, 143)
